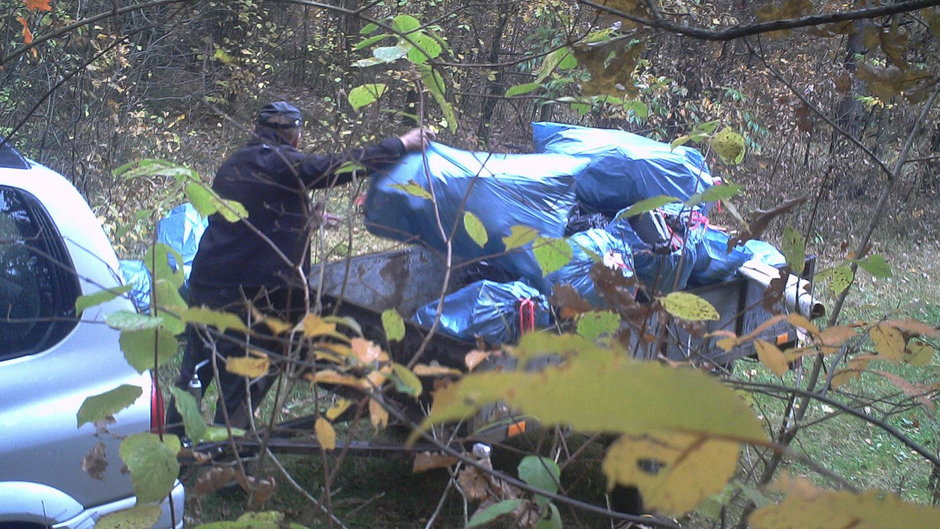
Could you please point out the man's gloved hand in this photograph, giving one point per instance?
(417, 139)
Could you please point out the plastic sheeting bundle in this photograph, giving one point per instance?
(489, 310)
(136, 274)
(181, 229)
(659, 272)
(625, 168)
(587, 247)
(501, 190)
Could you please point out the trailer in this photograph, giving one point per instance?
(364, 286)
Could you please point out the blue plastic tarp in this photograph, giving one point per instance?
(625, 168)
(713, 262)
(136, 274)
(501, 190)
(658, 272)
(765, 253)
(181, 229)
(587, 247)
(486, 309)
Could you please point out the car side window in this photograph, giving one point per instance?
(38, 283)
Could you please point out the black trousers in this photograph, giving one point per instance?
(239, 397)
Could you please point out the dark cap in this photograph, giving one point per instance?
(280, 115)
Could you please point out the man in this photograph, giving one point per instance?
(262, 261)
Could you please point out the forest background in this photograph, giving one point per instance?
(831, 101)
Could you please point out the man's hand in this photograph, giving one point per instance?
(417, 139)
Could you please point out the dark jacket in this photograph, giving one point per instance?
(272, 179)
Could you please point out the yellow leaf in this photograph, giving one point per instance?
(688, 307)
(674, 472)
(377, 415)
(589, 393)
(855, 369)
(326, 434)
(729, 145)
(368, 352)
(798, 320)
(425, 461)
(914, 326)
(519, 236)
(277, 326)
(474, 358)
(313, 326)
(772, 357)
(808, 507)
(888, 342)
(338, 409)
(918, 353)
(334, 352)
(835, 336)
(253, 366)
(424, 370)
(329, 376)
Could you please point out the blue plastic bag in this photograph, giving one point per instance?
(587, 246)
(501, 190)
(658, 272)
(713, 262)
(625, 168)
(136, 274)
(765, 253)
(181, 229)
(486, 309)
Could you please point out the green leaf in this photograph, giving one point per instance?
(552, 521)
(215, 434)
(137, 517)
(729, 146)
(393, 324)
(426, 47)
(405, 23)
(587, 392)
(368, 28)
(714, 194)
(390, 53)
(157, 260)
(475, 229)
(688, 307)
(366, 94)
(542, 473)
(840, 278)
(414, 190)
(493, 512)
(646, 205)
(794, 250)
(142, 347)
(372, 40)
(406, 381)
(434, 82)
(107, 404)
(519, 236)
(595, 324)
(193, 422)
(216, 318)
(102, 296)
(639, 108)
(520, 89)
(876, 266)
(125, 320)
(706, 128)
(152, 465)
(207, 202)
(551, 253)
(680, 141)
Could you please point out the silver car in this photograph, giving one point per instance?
(52, 250)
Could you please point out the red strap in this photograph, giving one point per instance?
(526, 315)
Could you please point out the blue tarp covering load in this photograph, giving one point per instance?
(625, 168)
(659, 272)
(613, 252)
(713, 262)
(181, 230)
(486, 309)
(501, 190)
(136, 274)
